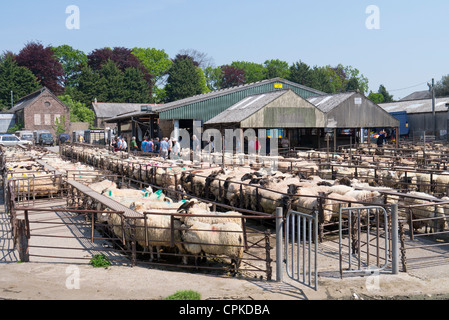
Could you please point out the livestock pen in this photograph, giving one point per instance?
(255, 242)
(256, 199)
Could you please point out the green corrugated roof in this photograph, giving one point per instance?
(206, 106)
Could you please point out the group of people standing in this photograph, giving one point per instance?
(119, 144)
(164, 147)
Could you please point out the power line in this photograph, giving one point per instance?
(417, 85)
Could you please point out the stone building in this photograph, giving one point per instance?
(41, 110)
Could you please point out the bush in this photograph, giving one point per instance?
(100, 261)
(184, 295)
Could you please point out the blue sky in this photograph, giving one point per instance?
(410, 48)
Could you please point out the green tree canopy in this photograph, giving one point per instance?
(79, 112)
(386, 96)
(276, 68)
(442, 87)
(157, 62)
(110, 84)
(72, 62)
(376, 97)
(19, 80)
(183, 79)
(254, 72)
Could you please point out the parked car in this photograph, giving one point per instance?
(63, 138)
(9, 140)
(43, 137)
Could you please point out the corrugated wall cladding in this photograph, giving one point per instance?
(207, 109)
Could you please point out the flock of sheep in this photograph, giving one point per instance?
(197, 230)
(302, 184)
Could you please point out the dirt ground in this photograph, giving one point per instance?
(46, 279)
(50, 281)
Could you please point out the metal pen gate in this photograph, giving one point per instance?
(302, 247)
(367, 230)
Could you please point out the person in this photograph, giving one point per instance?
(119, 144)
(170, 146)
(114, 144)
(134, 146)
(381, 138)
(212, 145)
(380, 141)
(164, 148)
(149, 146)
(156, 145)
(143, 144)
(124, 146)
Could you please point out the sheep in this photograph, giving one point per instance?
(424, 212)
(340, 189)
(103, 186)
(159, 233)
(442, 183)
(200, 211)
(333, 204)
(366, 196)
(214, 239)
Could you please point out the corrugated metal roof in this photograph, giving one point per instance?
(416, 106)
(418, 95)
(109, 110)
(245, 108)
(222, 92)
(328, 102)
(206, 106)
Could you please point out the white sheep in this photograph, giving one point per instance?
(433, 210)
(159, 233)
(214, 239)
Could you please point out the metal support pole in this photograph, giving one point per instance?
(279, 245)
(394, 239)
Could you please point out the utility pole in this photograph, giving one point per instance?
(432, 92)
(12, 99)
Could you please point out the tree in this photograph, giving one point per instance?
(213, 77)
(301, 73)
(183, 79)
(19, 80)
(201, 58)
(72, 62)
(59, 126)
(277, 69)
(376, 97)
(254, 72)
(111, 84)
(44, 65)
(135, 88)
(353, 85)
(203, 82)
(79, 112)
(157, 62)
(87, 86)
(354, 73)
(442, 87)
(123, 58)
(386, 96)
(231, 77)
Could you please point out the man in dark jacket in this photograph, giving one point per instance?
(381, 139)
